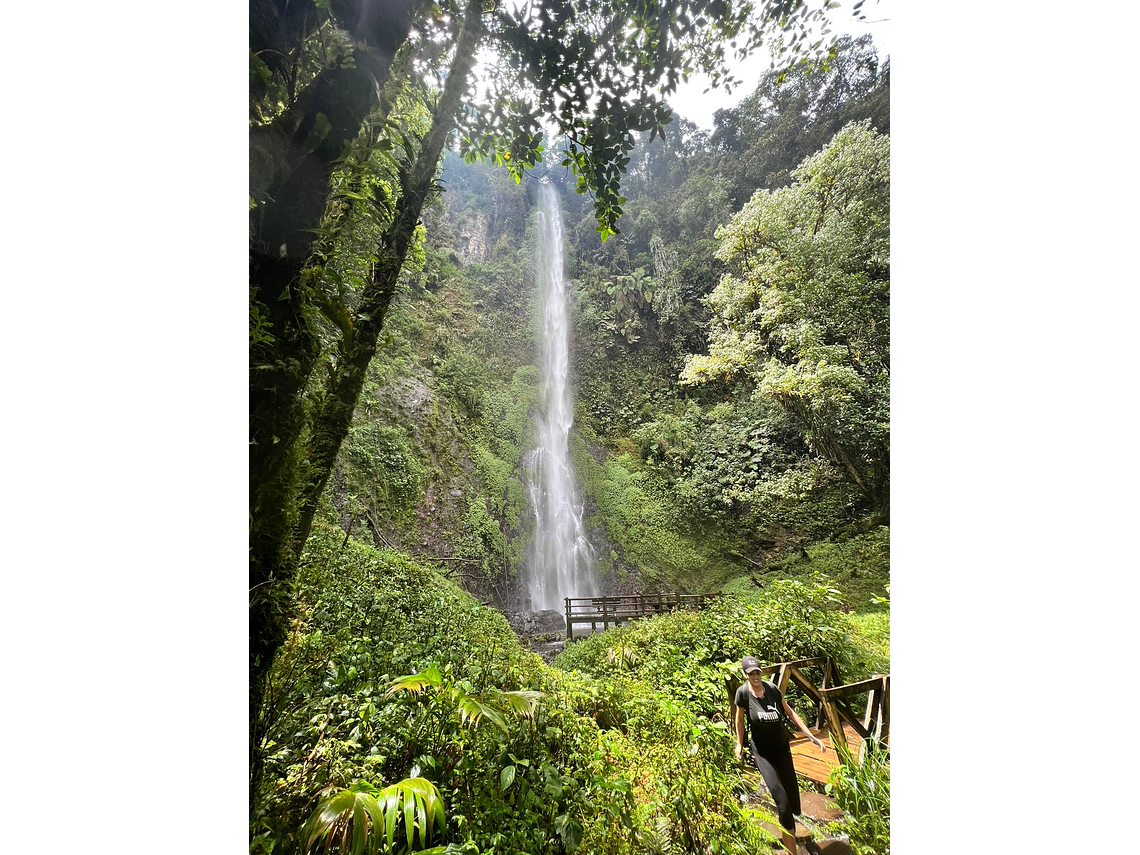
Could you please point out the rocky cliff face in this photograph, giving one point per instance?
(472, 239)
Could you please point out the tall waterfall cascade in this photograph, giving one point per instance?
(561, 561)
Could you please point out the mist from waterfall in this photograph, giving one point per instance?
(562, 563)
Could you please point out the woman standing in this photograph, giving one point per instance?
(761, 702)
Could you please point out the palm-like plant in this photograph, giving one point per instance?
(363, 819)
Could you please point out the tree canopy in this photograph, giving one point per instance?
(803, 311)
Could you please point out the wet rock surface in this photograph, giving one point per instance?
(835, 846)
(813, 836)
(547, 649)
(542, 632)
(818, 806)
(544, 622)
(472, 239)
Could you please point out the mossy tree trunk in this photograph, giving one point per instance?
(293, 157)
(294, 443)
(356, 349)
(291, 162)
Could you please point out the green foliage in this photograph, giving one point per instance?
(601, 73)
(272, 77)
(366, 614)
(482, 539)
(791, 115)
(464, 378)
(260, 325)
(639, 518)
(703, 204)
(492, 534)
(871, 634)
(382, 462)
(657, 744)
(687, 655)
(632, 298)
(860, 565)
(506, 416)
(569, 763)
(444, 466)
(863, 790)
(506, 495)
(737, 447)
(743, 473)
(668, 441)
(468, 708)
(504, 298)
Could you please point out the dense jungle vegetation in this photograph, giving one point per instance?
(730, 295)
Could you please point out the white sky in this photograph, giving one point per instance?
(696, 105)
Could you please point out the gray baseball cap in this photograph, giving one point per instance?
(749, 663)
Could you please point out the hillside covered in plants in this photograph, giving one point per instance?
(729, 310)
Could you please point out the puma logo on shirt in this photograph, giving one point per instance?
(767, 714)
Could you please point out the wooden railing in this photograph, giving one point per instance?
(616, 610)
(834, 701)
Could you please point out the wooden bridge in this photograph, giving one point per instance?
(835, 719)
(616, 610)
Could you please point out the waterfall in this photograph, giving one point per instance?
(561, 560)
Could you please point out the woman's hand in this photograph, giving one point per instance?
(738, 751)
(818, 744)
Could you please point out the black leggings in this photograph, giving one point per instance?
(775, 765)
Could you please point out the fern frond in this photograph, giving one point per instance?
(416, 683)
(524, 703)
(472, 710)
(363, 819)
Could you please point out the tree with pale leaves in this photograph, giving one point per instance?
(803, 310)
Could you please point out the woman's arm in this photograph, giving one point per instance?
(799, 723)
(738, 748)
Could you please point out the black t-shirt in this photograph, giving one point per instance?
(763, 713)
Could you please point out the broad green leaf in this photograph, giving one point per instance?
(359, 825)
(410, 817)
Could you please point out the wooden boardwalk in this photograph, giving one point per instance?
(808, 760)
(618, 610)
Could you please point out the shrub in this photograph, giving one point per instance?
(687, 655)
(602, 766)
(863, 790)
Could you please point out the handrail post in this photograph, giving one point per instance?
(883, 732)
(827, 667)
(780, 677)
(569, 622)
(834, 724)
(868, 718)
(874, 697)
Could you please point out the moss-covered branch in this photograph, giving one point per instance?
(332, 420)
